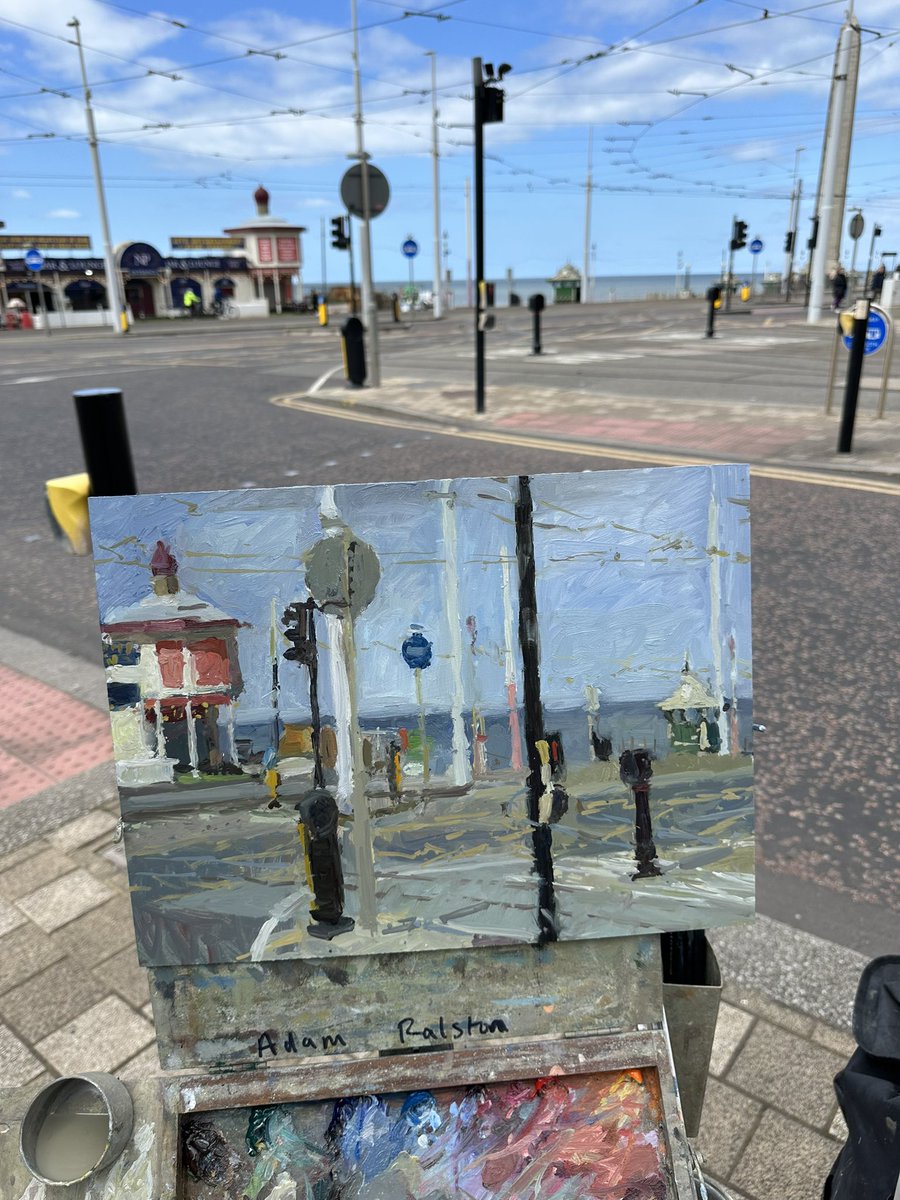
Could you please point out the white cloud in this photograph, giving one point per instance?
(63, 214)
(21, 194)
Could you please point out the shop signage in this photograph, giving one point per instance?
(139, 258)
(44, 241)
(207, 243)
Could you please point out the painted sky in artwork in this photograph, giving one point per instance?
(634, 569)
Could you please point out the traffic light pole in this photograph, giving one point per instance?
(480, 290)
(730, 266)
(369, 299)
(353, 305)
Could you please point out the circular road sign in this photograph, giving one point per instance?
(856, 227)
(410, 247)
(351, 191)
(34, 260)
(755, 246)
(876, 331)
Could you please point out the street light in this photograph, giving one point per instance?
(636, 770)
(417, 654)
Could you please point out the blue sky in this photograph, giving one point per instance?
(624, 562)
(185, 101)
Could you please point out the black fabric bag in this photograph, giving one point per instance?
(868, 1091)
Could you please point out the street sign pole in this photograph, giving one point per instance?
(34, 261)
(854, 374)
(369, 300)
(478, 82)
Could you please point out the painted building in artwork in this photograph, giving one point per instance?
(172, 676)
(258, 266)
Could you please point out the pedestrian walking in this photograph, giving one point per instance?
(878, 283)
(838, 287)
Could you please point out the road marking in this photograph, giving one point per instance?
(348, 412)
(323, 379)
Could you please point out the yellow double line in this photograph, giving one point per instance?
(348, 411)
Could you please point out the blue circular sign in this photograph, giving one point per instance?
(416, 649)
(876, 332)
(34, 260)
(755, 246)
(410, 248)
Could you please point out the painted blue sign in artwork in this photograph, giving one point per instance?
(34, 260)
(756, 246)
(876, 332)
(410, 248)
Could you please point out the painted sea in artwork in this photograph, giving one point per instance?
(564, 1137)
(412, 716)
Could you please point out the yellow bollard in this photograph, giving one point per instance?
(323, 313)
(67, 500)
(745, 293)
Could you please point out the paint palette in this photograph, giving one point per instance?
(576, 1130)
(389, 718)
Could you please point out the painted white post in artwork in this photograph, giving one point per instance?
(592, 705)
(344, 692)
(715, 601)
(733, 715)
(340, 686)
(160, 732)
(512, 700)
(460, 760)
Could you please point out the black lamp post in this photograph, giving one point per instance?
(636, 770)
(317, 812)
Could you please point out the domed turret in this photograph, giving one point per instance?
(261, 196)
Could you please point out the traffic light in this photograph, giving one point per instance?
(340, 236)
(789, 241)
(739, 235)
(297, 620)
(814, 236)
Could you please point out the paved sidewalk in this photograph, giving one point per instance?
(73, 997)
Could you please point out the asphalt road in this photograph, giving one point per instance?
(827, 651)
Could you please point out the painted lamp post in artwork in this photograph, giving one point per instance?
(317, 812)
(342, 574)
(417, 653)
(636, 770)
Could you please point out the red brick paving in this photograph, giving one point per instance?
(46, 736)
(727, 436)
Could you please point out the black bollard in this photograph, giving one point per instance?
(713, 296)
(318, 816)
(636, 770)
(536, 304)
(353, 347)
(854, 374)
(104, 440)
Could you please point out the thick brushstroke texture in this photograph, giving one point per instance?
(449, 833)
(598, 1136)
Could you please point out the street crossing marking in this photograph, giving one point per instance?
(349, 412)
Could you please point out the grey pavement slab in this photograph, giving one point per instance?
(23, 953)
(106, 1035)
(50, 998)
(17, 1064)
(787, 1072)
(784, 1160)
(42, 868)
(729, 1118)
(97, 935)
(57, 903)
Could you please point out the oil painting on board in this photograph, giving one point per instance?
(413, 716)
(559, 1136)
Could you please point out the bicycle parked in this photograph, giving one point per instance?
(225, 308)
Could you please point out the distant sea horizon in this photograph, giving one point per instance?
(605, 289)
